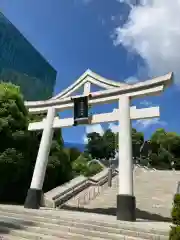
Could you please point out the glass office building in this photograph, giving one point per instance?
(23, 65)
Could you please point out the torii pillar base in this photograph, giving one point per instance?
(33, 199)
(126, 208)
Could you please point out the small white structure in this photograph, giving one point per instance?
(114, 91)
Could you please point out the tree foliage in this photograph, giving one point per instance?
(101, 147)
(161, 151)
(73, 153)
(14, 141)
(175, 229)
(81, 166)
(165, 149)
(19, 147)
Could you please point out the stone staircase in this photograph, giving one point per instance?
(17, 223)
(96, 219)
(154, 191)
(105, 202)
(76, 192)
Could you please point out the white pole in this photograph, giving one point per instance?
(125, 148)
(43, 153)
(41, 162)
(125, 198)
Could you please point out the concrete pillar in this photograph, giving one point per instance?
(34, 194)
(126, 203)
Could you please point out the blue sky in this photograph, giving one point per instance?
(113, 38)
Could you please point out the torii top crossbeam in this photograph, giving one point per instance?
(113, 90)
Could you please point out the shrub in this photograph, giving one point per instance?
(175, 233)
(81, 167)
(175, 229)
(93, 169)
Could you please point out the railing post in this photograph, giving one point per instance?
(110, 177)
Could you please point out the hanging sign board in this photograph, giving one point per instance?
(81, 110)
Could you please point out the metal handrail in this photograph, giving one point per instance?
(90, 195)
(96, 161)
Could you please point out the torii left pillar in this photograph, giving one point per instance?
(33, 199)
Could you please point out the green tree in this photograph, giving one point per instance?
(166, 147)
(14, 142)
(59, 169)
(109, 144)
(104, 147)
(19, 147)
(73, 153)
(95, 145)
(137, 141)
(116, 141)
(101, 147)
(158, 136)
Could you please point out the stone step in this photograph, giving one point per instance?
(35, 233)
(81, 223)
(78, 227)
(46, 213)
(23, 234)
(8, 237)
(81, 220)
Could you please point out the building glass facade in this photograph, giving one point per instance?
(23, 65)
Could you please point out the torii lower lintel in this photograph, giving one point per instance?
(135, 114)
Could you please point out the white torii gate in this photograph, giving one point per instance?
(114, 91)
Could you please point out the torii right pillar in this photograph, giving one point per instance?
(126, 202)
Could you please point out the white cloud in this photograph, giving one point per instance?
(131, 80)
(117, 18)
(85, 139)
(86, 1)
(142, 124)
(95, 128)
(113, 127)
(153, 31)
(145, 123)
(113, 18)
(98, 128)
(102, 20)
(146, 103)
